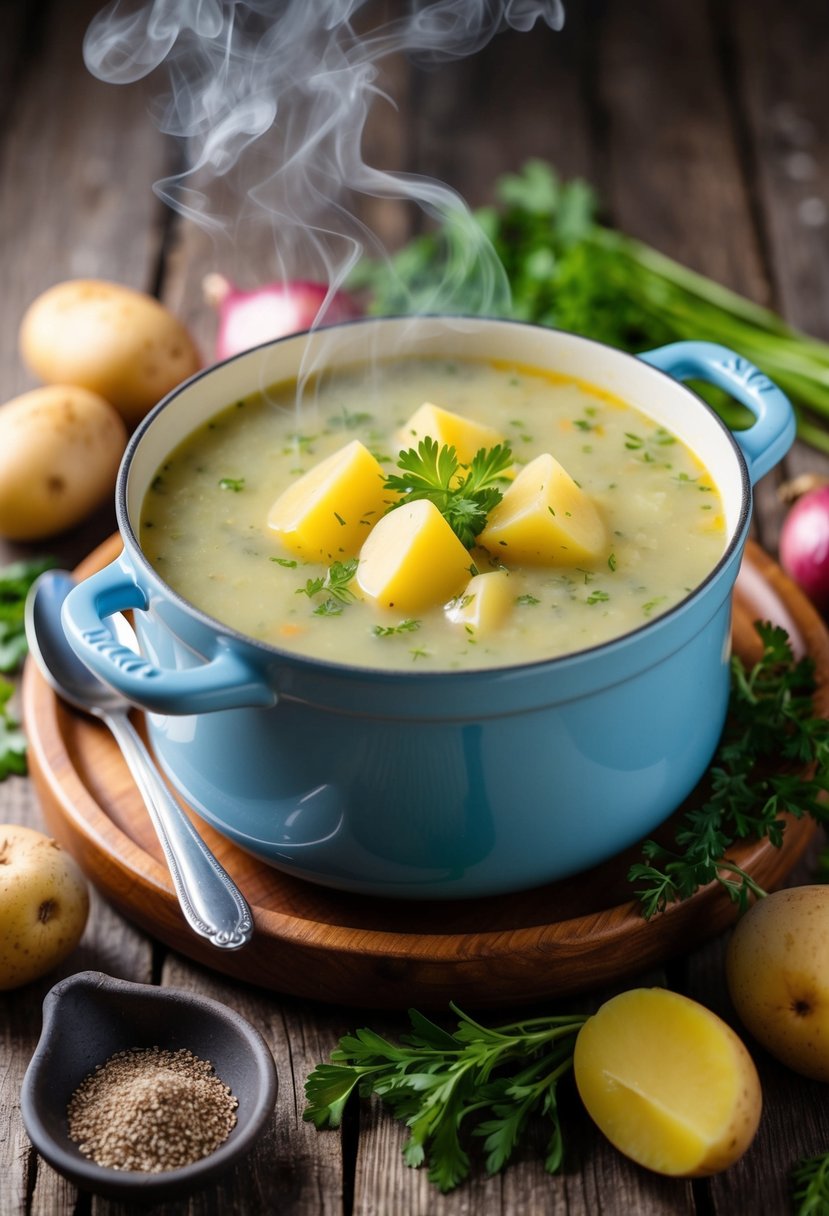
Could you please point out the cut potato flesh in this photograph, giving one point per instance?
(668, 1082)
(328, 512)
(448, 430)
(545, 518)
(412, 559)
(484, 604)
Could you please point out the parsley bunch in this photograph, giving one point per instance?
(15, 581)
(771, 736)
(465, 498)
(488, 1082)
(565, 269)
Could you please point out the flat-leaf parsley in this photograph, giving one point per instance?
(445, 1087)
(464, 494)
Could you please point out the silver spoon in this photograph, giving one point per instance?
(211, 902)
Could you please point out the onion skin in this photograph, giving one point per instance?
(804, 546)
(274, 310)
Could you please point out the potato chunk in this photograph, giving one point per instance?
(668, 1082)
(448, 430)
(327, 513)
(484, 604)
(412, 559)
(544, 518)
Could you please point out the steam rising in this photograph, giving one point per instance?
(270, 99)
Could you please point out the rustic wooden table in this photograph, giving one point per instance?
(706, 130)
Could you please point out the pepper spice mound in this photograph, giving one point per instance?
(151, 1110)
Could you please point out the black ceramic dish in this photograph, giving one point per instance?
(89, 1017)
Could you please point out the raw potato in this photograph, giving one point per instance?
(109, 339)
(59, 453)
(44, 904)
(777, 969)
(668, 1082)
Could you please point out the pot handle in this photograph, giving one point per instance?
(225, 681)
(766, 442)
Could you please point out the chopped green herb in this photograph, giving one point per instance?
(232, 483)
(597, 597)
(527, 599)
(650, 607)
(387, 631)
(611, 562)
(288, 562)
(335, 582)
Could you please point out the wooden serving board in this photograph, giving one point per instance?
(568, 937)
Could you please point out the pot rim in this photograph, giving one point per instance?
(331, 667)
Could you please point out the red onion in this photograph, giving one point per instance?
(247, 318)
(804, 545)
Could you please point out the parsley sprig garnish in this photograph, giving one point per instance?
(446, 1087)
(773, 758)
(464, 494)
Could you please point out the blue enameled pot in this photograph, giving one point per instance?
(452, 784)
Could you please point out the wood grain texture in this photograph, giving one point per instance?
(690, 119)
(568, 937)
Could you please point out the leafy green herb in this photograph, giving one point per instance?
(773, 758)
(388, 631)
(597, 597)
(464, 499)
(236, 484)
(12, 739)
(15, 581)
(810, 1186)
(567, 270)
(335, 584)
(288, 562)
(527, 600)
(446, 1087)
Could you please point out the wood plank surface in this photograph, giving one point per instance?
(706, 130)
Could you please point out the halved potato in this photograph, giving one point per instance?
(668, 1082)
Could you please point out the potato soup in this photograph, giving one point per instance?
(630, 522)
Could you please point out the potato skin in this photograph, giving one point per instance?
(60, 447)
(110, 339)
(44, 904)
(777, 968)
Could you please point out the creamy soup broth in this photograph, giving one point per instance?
(204, 519)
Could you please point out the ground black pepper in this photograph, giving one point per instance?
(151, 1110)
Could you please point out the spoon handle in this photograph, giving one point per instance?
(212, 904)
